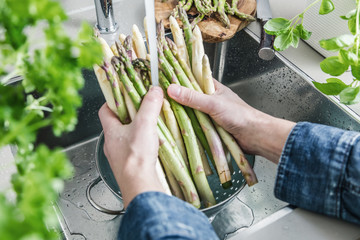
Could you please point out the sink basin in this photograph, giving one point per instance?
(275, 87)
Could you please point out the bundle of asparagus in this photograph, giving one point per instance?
(218, 7)
(188, 137)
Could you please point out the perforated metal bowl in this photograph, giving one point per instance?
(222, 196)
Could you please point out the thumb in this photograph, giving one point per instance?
(191, 98)
(107, 117)
(150, 106)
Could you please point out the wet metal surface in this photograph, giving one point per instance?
(80, 218)
(271, 86)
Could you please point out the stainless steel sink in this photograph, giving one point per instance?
(275, 87)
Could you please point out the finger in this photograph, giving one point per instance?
(220, 88)
(107, 117)
(150, 107)
(217, 84)
(191, 98)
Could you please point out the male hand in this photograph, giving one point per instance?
(132, 149)
(256, 132)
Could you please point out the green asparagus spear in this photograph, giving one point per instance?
(202, 8)
(187, 31)
(233, 10)
(166, 149)
(129, 48)
(204, 120)
(173, 127)
(182, 77)
(229, 141)
(183, 65)
(215, 3)
(131, 71)
(136, 98)
(120, 68)
(200, 133)
(173, 183)
(192, 148)
(179, 40)
(166, 67)
(143, 67)
(168, 158)
(196, 20)
(188, 5)
(222, 15)
(118, 97)
(234, 5)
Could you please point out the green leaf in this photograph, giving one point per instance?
(333, 66)
(295, 38)
(348, 57)
(337, 43)
(277, 26)
(349, 15)
(327, 6)
(350, 95)
(334, 86)
(304, 34)
(352, 25)
(283, 41)
(355, 70)
(90, 49)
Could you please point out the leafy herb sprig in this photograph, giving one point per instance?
(51, 66)
(289, 32)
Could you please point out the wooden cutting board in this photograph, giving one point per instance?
(212, 29)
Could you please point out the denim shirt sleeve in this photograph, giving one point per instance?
(319, 170)
(155, 215)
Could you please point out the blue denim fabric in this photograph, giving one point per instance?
(155, 215)
(319, 170)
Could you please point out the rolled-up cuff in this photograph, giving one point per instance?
(312, 167)
(155, 215)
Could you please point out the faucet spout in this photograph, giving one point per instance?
(105, 16)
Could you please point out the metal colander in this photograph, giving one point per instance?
(222, 196)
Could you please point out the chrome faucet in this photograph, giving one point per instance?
(105, 16)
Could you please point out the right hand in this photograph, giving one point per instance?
(256, 132)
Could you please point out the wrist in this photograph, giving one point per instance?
(266, 136)
(138, 177)
(272, 137)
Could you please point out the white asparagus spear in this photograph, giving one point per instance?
(173, 183)
(197, 55)
(105, 87)
(162, 178)
(114, 50)
(146, 33)
(171, 123)
(207, 79)
(129, 105)
(229, 140)
(122, 38)
(138, 42)
(101, 75)
(179, 39)
(205, 161)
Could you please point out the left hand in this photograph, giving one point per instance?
(132, 149)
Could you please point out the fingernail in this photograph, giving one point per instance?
(174, 90)
(155, 89)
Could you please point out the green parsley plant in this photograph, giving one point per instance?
(51, 68)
